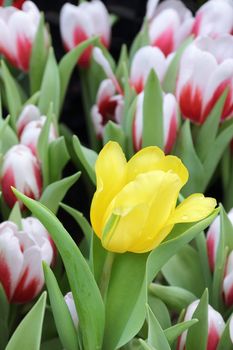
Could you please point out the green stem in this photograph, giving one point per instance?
(106, 274)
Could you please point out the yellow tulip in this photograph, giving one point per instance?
(134, 206)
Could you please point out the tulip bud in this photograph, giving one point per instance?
(170, 120)
(231, 329)
(21, 256)
(145, 59)
(28, 114)
(109, 106)
(17, 32)
(216, 326)
(21, 170)
(72, 309)
(78, 23)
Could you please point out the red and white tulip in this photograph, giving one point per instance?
(21, 256)
(216, 326)
(16, 3)
(214, 18)
(170, 23)
(109, 106)
(206, 70)
(170, 122)
(144, 60)
(21, 170)
(72, 309)
(17, 32)
(78, 23)
(28, 114)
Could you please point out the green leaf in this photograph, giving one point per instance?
(175, 298)
(225, 342)
(184, 270)
(197, 334)
(152, 133)
(97, 257)
(146, 346)
(87, 158)
(129, 128)
(156, 336)
(123, 61)
(86, 294)
(114, 132)
(5, 308)
(68, 63)
(200, 241)
(141, 39)
(226, 228)
(169, 81)
(64, 323)
(50, 86)
(172, 333)
(32, 99)
(15, 216)
(8, 137)
(160, 311)
(52, 344)
(55, 192)
(58, 158)
(27, 335)
(38, 57)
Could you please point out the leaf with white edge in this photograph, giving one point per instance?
(55, 192)
(15, 216)
(27, 335)
(64, 323)
(114, 132)
(85, 291)
(172, 333)
(87, 158)
(58, 158)
(152, 133)
(50, 86)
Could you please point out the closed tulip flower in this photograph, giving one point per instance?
(216, 326)
(28, 114)
(21, 170)
(170, 121)
(72, 309)
(17, 3)
(206, 70)
(109, 106)
(17, 32)
(134, 206)
(21, 256)
(78, 23)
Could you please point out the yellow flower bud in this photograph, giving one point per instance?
(134, 206)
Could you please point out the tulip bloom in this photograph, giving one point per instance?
(72, 309)
(170, 23)
(109, 106)
(17, 32)
(21, 256)
(21, 170)
(134, 206)
(170, 119)
(17, 3)
(216, 326)
(214, 18)
(144, 60)
(28, 114)
(206, 70)
(78, 23)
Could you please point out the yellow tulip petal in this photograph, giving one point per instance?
(194, 208)
(110, 176)
(144, 161)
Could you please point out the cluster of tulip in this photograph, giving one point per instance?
(161, 114)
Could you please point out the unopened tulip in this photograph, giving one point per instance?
(214, 18)
(228, 281)
(146, 59)
(72, 309)
(17, 33)
(21, 256)
(28, 114)
(206, 71)
(109, 106)
(78, 23)
(170, 122)
(134, 209)
(21, 170)
(16, 3)
(170, 23)
(216, 326)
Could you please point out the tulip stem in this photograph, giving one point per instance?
(106, 274)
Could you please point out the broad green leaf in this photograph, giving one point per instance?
(27, 335)
(87, 158)
(146, 346)
(225, 342)
(184, 270)
(64, 323)
(5, 308)
(68, 63)
(173, 332)
(58, 158)
(152, 133)
(55, 192)
(97, 257)
(123, 61)
(15, 215)
(50, 86)
(197, 334)
(200, 241)
(227, 229)
(86, 294)
(160, 311)
(114, 132)
(8, 137)
(129, 128)
(156, 336)
(38, 57)
(175, 298)
(141, 39)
